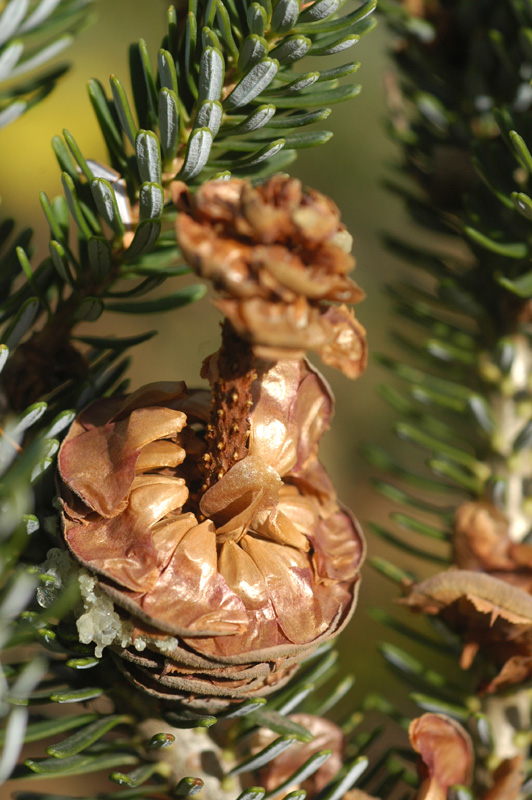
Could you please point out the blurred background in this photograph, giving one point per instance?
(350, 169)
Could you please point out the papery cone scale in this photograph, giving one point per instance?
(326, 736)
(482, 542)
(490, 614)
(227, 586)
(486, 596)
(507, 780)
(446, 755)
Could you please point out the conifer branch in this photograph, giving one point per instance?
(457, 112)
(224, 99)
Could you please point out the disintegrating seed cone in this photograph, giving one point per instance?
(219, 590)
(279, 258)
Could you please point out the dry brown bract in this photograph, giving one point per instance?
(487, 599)
(446, 755)
(481, 541)
(507, 780)
(490, 614)
(447, 758)
(230, 587)
(278, 257)
(327, 736)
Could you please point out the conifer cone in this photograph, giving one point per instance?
(278, 257)
(225, 568)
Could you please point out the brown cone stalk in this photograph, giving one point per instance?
(225, 568)
(278, 257)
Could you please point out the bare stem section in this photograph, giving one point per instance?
(231, 371)
(512, 411)
(510, 715)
